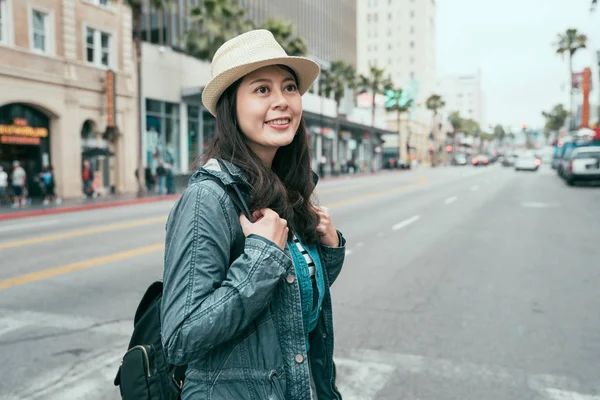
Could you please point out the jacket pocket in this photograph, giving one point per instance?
(274, 378)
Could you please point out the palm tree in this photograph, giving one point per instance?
(284, 34)
(398, 102)
(434, 103)
(570, 42)
(375, 83)
(213, 23)
(499, 133)
(136, 16)
(555, 119)
(456, 121)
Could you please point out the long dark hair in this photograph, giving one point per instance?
(287, 187)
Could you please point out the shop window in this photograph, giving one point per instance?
(162, 134)
(193, 136)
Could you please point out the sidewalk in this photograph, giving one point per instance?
(72, 205)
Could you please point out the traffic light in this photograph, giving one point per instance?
(524, 126)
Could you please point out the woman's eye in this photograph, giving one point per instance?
(261, 90)
(291, 88)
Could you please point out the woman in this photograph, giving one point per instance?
(246, 304)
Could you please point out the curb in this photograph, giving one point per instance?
(153, 199)
(85, 207)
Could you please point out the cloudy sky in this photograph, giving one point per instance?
(511, 42)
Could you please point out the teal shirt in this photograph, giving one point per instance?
(311, 301)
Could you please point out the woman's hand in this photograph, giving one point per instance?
(268, 225)
(326, 228)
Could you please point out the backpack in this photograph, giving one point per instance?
(144, 372)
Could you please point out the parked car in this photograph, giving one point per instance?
(460, 159)
(583, 165)
(509, 161)
(480, 160)
(527, 162)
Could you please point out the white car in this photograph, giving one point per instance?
(527, 162)
(583, 165)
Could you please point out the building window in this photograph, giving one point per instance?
(389, 16)
(40, 31)
(412, 29)
(412, 44)
(389, 46)
(368, 17)
(412, 75)
(375, 17)
(368, 48)
(389, 32)
(412, 60)
(374, 47)
(412, 14)
(4, 21)
(98, 47)
(101, 3)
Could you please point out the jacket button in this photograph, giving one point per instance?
(324, 335)
(290, 279)
(299, 358)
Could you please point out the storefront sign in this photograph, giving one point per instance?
(110, 98)
(20, 140)
(21, 129)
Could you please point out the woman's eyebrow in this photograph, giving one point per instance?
(267, 80)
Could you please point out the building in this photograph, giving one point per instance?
(176, 126)
(463, 93)
(400, 37)
(68, 92)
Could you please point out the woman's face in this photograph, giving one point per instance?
(269, 109)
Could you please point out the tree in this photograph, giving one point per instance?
(555, 119)
(594, 3)
(398, 102)
(470, 127)
(136, 16)
(434, 103)
(333, 81)
(375, 83)
(570, 42)
(456, 121)
(284, 34)
(213, 23)
(499, 133)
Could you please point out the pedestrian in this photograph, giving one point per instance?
(3, 185)
(49, 185)
(18, 181)
(170, 179)
(87, 176)
(161, 174)
(246, 304)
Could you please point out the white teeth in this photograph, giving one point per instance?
(279, 121)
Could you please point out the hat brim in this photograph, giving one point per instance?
(306, 69)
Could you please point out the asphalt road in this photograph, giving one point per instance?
(459, 283)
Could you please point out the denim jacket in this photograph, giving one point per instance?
(231, 304)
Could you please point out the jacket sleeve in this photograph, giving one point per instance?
(333, 258)
(204, 302)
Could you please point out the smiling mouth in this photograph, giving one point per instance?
(279, 121)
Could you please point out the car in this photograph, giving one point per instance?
(527, 162)
(480, 160)
(583, 165)
(509, 161)
(460, 159)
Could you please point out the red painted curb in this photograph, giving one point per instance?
(84, 207)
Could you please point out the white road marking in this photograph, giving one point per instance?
(474, 188)
(361, 380)
(451, 200)
(553, 387)
(11, 325)
(557, 394)
(348, 252)
(15, 227)
(406, 222)
(533, 204)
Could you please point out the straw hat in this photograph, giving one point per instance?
(246, 53)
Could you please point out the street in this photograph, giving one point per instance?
(459, 283)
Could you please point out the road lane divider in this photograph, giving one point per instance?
(421, 182)
(82, 232)
(78, 266)
(406, 222)
(451, 200)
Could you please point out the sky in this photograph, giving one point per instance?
(511, 42)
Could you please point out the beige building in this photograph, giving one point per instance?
(67, 84)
